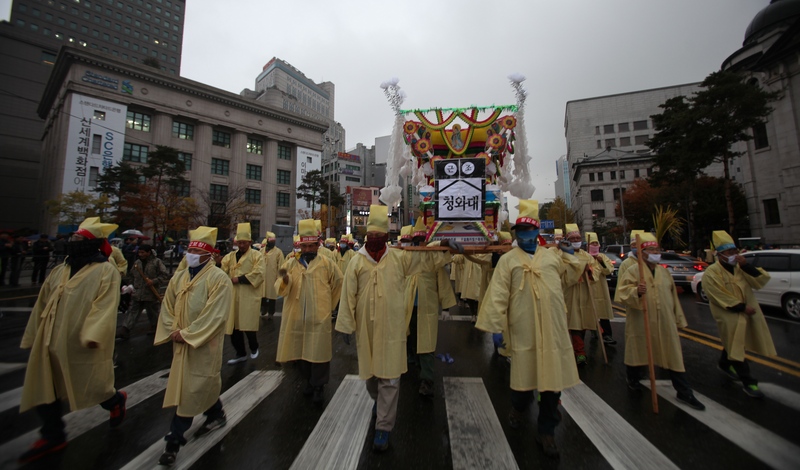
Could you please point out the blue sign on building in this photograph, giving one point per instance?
(547, 224)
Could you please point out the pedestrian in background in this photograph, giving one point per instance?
(17, 253)
(60, 247)
(148, 274)
(41, 250)
(273, 259)
(6, 250)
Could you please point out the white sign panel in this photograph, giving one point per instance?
(95, 141)
(307, 160)
(460, 199)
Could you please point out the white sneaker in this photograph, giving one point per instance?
(254, 355)
(237, 360)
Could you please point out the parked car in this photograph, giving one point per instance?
(682, 267)
(619, 250)
(783, 289)
(616, 260)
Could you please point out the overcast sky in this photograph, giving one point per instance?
(459, 53)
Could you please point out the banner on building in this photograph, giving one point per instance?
(362, 197)
(307, 161)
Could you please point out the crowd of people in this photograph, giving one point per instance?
(537, 300)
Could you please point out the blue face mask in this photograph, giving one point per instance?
(528, 240)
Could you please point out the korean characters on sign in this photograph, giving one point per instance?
(460, 187)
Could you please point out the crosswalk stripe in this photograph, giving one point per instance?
(10, 399)
(338, 437)
(7, 367)
(621, 445)
(476, 437)
(78, 422)
(760, 442)
(237, 401)
(782, 395)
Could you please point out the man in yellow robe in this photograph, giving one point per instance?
(246, 271)
(310, 288)
(425, 293)
(525, 302)
(346, 252)
(580, 316)
(373, 307)
(629, 259)
(729, 285)
(193, 316)
(70, 333)
(295, 253)
(273, 259)
(665, 316)
(601, 267)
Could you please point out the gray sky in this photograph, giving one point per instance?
(456, 54)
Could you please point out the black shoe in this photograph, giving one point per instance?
(41, 448)
(609, 340)
(730, 372)
(635, 386)
(169, 455)
(211, 425)
(308, 391)
(426, 388)
(515, 418)
(691, 401)
(548, 444)
(117, 412)
(752, 391)
(318, 396)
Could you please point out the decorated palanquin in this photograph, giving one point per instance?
(461, 160)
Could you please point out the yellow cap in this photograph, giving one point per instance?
(648, 239)
(271, 236)
(591, 237)
(296, 239)
(318, 226)
(573, 229)
(330, 241)
(504, 237)
(378, 220)
(307, 230)
(633, 236)
(558, 233)
(528, 213)
(203, 238)
(405, 232)
(243, 233)
(420, 229)
(92, 226)
(722, 241)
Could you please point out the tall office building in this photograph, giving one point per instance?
(562, 180)
(135, 30)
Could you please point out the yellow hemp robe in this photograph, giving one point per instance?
(373, 306)
(199, 309)
(629, 261)
(738, 330)
(579, 309)
(344, 260)
(117, 259)
(327, 253)
(308, 301)
(456, 270)
(246, 306)
(273, 259)
(430, 289)
(525, 302)
(68, 315)
(471, 280)
(598, 285)
(292, 255)
(664, 312)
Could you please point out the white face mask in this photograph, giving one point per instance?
(405, 243)
(193, 260)
(297, 250)
(654, 258)
(731, 259)
(576, 245)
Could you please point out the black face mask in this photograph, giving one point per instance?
(83, 248)
(270, 245)
(308, 256)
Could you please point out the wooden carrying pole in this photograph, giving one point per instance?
(152, 287)
(596, 318)
(642, 267)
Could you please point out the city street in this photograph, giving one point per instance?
(272, 425)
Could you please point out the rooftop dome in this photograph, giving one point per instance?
(778, 11)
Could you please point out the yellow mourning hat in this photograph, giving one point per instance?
(307, 230)
(405, 232)
(528, 213)
(572, 229)
(203, 238)
(648, 240)
(345, 237)
(243, 233)
(378, 220)
(318, 227)
(722, 241)
(271, 236)
(558, 233)
(296, 239)
(591, 237)
(504, 237)
(330, 241)
(420, 229)
(93, 228)
(633, 235)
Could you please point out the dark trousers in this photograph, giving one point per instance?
(181, 424)
(605, 324)
(742, 369)
(578, 345)
(637, 373)
(268, 306)
(426, 360)
(3, 269)
(237, 339)
(549, 416)
(52, 424)
(16, 269)
(316, 373)
(39, 268)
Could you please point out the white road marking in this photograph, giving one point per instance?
(618, 320)
(760, 442)
(6, 367)
(476, 437)
(16, 309)
(782, 395)
(237, 401)
(78, 422)
(338, 438)
(621, 445)
(10, 399)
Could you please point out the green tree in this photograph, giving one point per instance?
(692, 133)
(72, 207)
(117, 183)
(316, 190)
(558, 212)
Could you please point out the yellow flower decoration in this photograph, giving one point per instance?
(496, 142)
(422, 146)
(509, 122)
(410, 127)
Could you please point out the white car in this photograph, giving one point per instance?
(783, 289)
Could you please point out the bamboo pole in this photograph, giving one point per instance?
(596, 318)
(651, 366)
(152, 287)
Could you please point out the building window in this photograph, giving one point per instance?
(600, 176)
(353, 179)
(641, 139)
(255, 226)
(99, 116)
(220, 166)
(282, 199)
(772, 215)
(183, 189)
(760, 139)
(182, 130)
(613, 175)
(255, 146)
(591, 176)
(138, 121)
(611, 143)
(596, 130)
(134, 153)
(622, 174)
(97, 141)
(221, 139)
(218, 192)
(624, 141)
(608, 129)
(284, 152)
(94, 172)
(597, 195)
(599, 214)
(186, 158)
(253, 172)
(599, 144)
(284, 177)
(616, 193)
(623, 127)
(48, 58)
(640, 125)
(252, 196)
(650, 172)
(636, 173)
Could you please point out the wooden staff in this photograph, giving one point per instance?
(596, 318)
(152, 287)
(651, 366)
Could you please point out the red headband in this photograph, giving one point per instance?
(527, 220)
(203, 246)
(105, 247)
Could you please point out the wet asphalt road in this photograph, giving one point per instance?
(272, 435)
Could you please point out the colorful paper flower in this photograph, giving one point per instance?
(496, 142)
(410, 127)
(422, 146)
(509, 122)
